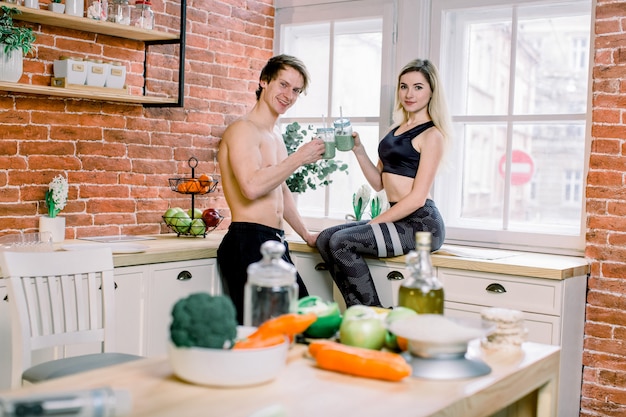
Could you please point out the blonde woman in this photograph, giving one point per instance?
(409, 158)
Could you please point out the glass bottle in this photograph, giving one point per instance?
(143, 16)
(271, 288)
(421, 291)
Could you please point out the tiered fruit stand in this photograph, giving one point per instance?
(192, 186)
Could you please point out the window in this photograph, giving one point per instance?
(342, 47)
(516, 76)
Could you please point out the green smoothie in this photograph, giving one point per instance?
(329, 151)
(344, 142)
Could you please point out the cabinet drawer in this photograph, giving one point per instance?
(527, 294)
(388, 277)
(313, 272)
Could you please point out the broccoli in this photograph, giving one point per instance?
(204, 320)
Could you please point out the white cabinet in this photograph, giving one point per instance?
(5, 339)
(167, 284)
(313, 272)
(145, 296)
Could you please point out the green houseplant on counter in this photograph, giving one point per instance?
(15, 42)
(313, 175)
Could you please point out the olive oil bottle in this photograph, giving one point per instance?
(421, 290)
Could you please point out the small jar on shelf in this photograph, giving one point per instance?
(142, 15)
(119, 12)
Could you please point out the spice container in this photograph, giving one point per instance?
(343, 135)
(72, 69)
(328, 136)
(271, 288)
(116, 75)
(142, 15)
(96, 73)
(119, 12)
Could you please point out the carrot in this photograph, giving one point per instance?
(316, 345)
(362, 362)
(259, 341)
(289, 324)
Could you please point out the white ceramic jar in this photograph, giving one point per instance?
(97, 73)
(116, 75)
(72, 69)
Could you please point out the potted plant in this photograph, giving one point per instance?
(15, 42)
(313, 175)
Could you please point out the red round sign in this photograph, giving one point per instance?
(522, 167)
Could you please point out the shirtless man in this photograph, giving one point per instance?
(254, 166)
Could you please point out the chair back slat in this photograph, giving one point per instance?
(58, 299)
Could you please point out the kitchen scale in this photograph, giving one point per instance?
(438, 345)
(444, 368)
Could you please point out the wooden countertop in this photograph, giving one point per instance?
(304, 390)
(170, 248)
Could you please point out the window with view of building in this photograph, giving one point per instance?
(517, 77)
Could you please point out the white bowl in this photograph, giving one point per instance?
(226, 367)
(436, 336)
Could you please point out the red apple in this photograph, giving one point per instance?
(211, 217)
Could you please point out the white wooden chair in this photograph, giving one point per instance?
(59, 300)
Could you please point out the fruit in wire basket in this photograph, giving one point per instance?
(197, 213)
(211, 217)
(168, 216)
(181, 222)
(197, 227)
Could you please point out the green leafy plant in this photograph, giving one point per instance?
(313, 175)
(14, 37)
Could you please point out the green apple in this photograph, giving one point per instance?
(168, 216)
(362, 326)
(197, 227)
(197, 213)
(181, 222)
(398, 313)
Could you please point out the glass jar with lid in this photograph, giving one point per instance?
(119, 12)
(271, 289)
(142, 15)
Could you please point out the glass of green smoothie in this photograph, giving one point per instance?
(327, 134)
(343, 135)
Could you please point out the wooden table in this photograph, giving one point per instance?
(525, 382)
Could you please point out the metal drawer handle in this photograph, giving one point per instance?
(114, 286)
(495, 288)
(395, 276)
(184, 276)
(321, 267)
(6, 298)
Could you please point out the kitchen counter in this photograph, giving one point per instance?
(527, 380)
(169, 248)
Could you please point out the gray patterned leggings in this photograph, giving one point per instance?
(342, 247)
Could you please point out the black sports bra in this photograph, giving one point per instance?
(398, 154)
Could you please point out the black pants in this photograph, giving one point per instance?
(240, 247)
(343, 246)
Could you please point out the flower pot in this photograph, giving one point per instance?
(56, 7)
(11, 65)
(54, 225)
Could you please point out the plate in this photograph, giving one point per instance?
(115, 247)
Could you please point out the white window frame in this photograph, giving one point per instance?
(532, 242)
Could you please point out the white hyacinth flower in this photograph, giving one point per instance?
(360, 200)
(56, 196)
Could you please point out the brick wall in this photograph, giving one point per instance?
(604, 376)
(118, 157)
